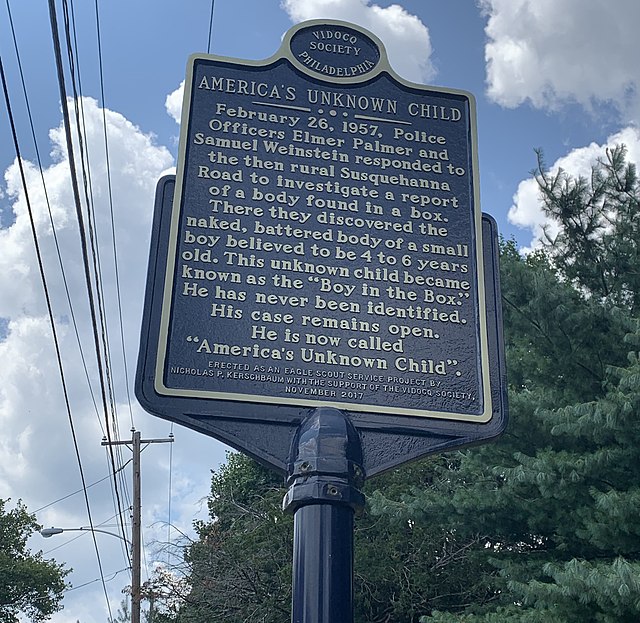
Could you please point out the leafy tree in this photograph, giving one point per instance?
(165, 592)
(539, 527)
(240, 567)
(29, 584)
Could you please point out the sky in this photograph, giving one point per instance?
(560, 75)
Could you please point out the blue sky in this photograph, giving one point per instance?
(560, 75)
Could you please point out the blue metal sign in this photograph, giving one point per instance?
(324, 246)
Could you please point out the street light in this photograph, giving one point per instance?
(136, 543)
(135, 585)
(49, 532)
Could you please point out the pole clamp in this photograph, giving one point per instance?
(325, 464)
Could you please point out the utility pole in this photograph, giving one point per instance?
(136, 538)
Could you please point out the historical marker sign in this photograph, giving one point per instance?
(324, 246)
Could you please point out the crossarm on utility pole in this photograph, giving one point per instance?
(136, 537)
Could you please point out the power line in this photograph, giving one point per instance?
(50, 311)
(93, 484)
(51, 220)
(55, 236)
(74, 66)
(80, 218)
(210, 27)
(113, 230)
(83, 241)
(113, 577)
(82, 136)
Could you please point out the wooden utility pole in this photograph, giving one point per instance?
(136, 536)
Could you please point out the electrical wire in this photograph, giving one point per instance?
(41, 169)
(77, 99)
(50, 213)
(118, 449)
(113, 230)
(89, 198)
(113, 577)
(97, 309)
(50, 312)
(69, 495)
(210, 27)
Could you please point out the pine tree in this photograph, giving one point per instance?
(556, 499)
(539, 527)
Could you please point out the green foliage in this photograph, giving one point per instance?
(29, 585)
(507, 614)
(557, 497)
(539, 527)
(240, 568)
(598, 246)
(556, 337)
(404, 568)
(560, 517)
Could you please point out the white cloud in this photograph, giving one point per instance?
(37, 454)
(526, 211)
(173, 103)
(405, 37)
(31, 402)
(550, 52)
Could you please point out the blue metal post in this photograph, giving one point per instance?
(324, 477)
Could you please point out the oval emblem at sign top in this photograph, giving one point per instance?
(335, 51)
